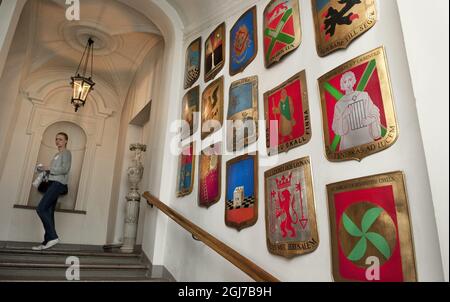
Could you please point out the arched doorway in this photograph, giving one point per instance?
(77, 146)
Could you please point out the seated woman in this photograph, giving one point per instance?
(56, 186)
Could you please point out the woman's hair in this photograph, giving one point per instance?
(64, 134)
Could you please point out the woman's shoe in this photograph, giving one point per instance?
(38, 248)
(51, 243)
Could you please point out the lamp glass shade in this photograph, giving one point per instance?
(81, 87)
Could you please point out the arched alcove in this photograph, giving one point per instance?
(77, 146)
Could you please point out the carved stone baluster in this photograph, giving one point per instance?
(133, 197)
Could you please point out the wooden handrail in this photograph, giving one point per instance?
(244, 264)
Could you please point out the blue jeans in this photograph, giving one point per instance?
(46, 209)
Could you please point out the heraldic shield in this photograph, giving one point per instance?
(243, 41)
(286, 109)
(241, 202)
(282, 33)
(209, 178)
(242, 116)
(186, 171)
(192, 68)
(357, 108)
(291, 226)
(370, 230)
(190, 112)
(339, 22)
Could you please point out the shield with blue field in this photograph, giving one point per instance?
(357, 108)
(339, 22)
(242, 126)
(243, 42)
(192, 67)
(241, 209)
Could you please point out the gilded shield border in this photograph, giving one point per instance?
(188, 83)
(255, 38)
(249, 223)
(398, 183)
(183, 193)
(210, 75)
(282, 249)
(392, 131)
(298, 32)
(301, 76)
(220, 83)
(253, 112)
(219, 164)
(347, 37)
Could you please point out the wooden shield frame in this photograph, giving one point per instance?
(306, 137)
(288, 248)
(395, 180)
(241, 115)
(271, 7)
(255, 40)
(210, 74)
(208, 90)
(219, 168)
(344, 35)
(248, 223)
(189, 80)
(377, 62)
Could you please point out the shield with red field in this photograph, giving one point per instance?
(241, 209)
(186, 171)
(370, 230)
(357, 108)
(282, 33)
(287, 115)
(209, 184)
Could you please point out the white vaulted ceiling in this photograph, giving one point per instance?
(195, 13)
(123, 37)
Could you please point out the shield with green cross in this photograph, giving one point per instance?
(282, 33)
(370, 229)
(357, 108)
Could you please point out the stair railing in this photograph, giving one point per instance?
(241, 262)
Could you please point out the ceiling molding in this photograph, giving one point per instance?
(39, 89)
(221, 14)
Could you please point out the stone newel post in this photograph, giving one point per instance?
(133, 197)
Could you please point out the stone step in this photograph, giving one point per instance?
(52, 271)
(19, 263)
(59, 257)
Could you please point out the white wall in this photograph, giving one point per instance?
(427, 51)
(189, 261)
(9, 16)
(141, 92)
(24, 225)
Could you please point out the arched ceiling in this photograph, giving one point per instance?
(195, 13)
(123, 37)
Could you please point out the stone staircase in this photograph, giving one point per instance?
(19, 263)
